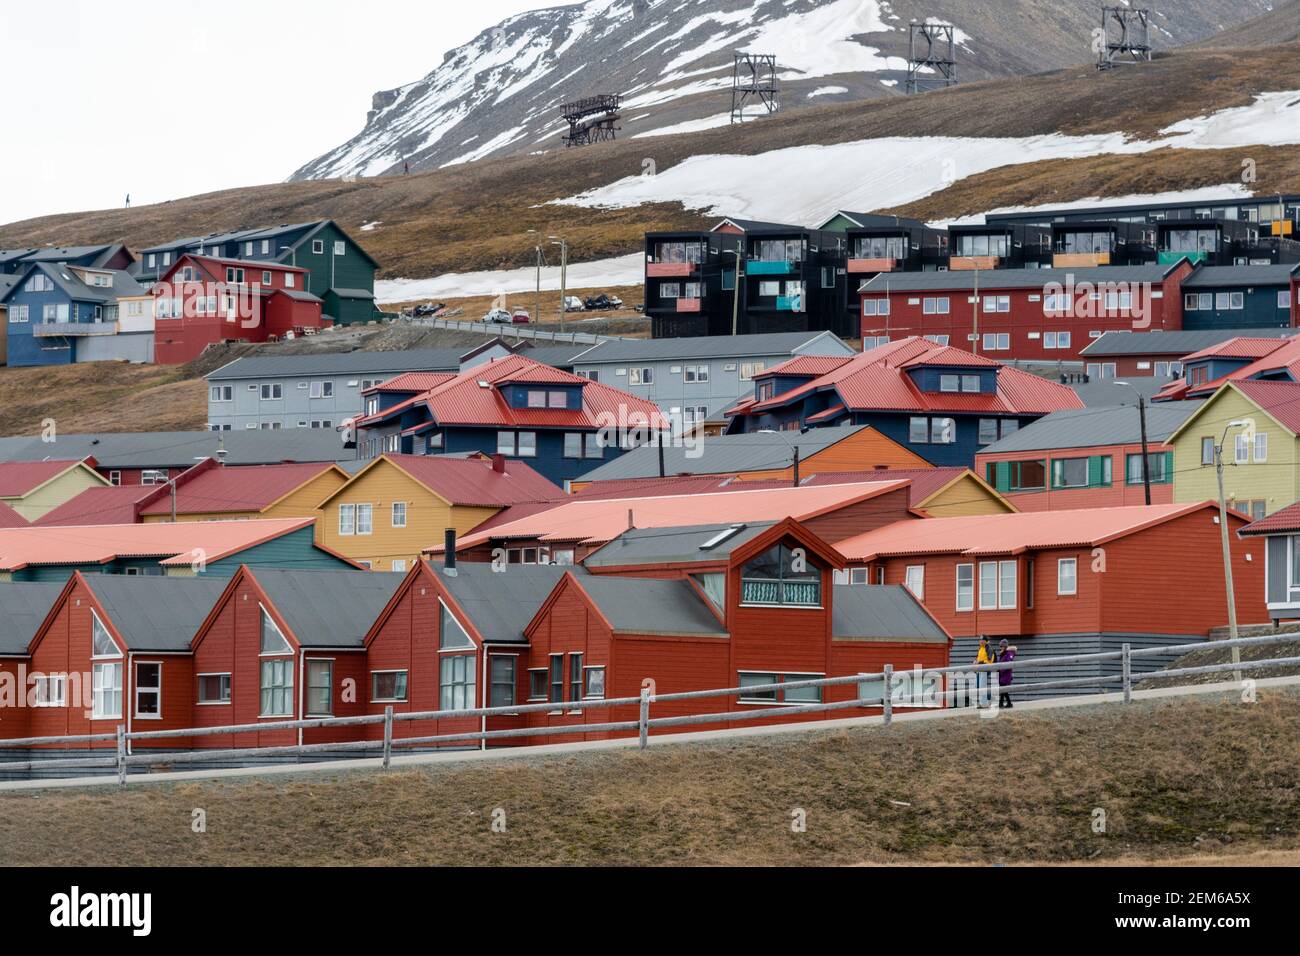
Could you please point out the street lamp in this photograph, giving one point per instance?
(564, 265)
(794, 451)
(1142, 419)
(735, 297)
(1223, 538)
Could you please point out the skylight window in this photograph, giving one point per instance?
(722, 536)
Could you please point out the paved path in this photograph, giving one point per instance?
(663, 740)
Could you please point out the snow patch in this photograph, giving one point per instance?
(602, 273)
(830, 90)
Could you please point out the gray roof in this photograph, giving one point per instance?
(353, 293)
(182, 449)
(156, 613)
(1219, 276)
(994, 279)
(23, 607)
(300, 295)
(371, 363)
(674, 545)
(874, 220)
(70, 283)
(652, 606)
(501, 603)
(64, 253)
(1094, 427)
(759, 225)
(882, 613)
(1174, 344)
(1104, 393)
(781, 344)
(724, 454)
(328, 608)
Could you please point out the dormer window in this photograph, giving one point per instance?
(539, 398)
(782, 576)
(954, 382)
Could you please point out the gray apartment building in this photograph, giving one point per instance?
(322, 390)
(694, 379)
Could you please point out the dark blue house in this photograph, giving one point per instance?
(560, 424)
(940, 402)
(55, 305)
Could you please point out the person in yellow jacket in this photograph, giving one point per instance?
(983, 680)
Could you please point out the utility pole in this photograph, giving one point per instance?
(1227, 552)
(1146, 464)
(796, 466)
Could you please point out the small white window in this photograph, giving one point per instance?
(399, 515)
(347, 519)
(1067, 576)
(914, 580)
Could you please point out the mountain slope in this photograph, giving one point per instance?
(501, 93)
(1278, 26)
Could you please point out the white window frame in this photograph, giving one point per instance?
(347, 528)
(969, 604)
(229, 685)
(917, 587)
(395, 514)
(99, 689)
(1061, 565)
(390, 700)
(57, 682)
(138, 688)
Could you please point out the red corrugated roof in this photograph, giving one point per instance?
(10, 518)
(474, 398)
(924, 483)
(175, 544)
(472, 482)
(1238, 348)
(1280, 399)
(1010, 533)
(1285, 358)
(108, 504)
(412, 382)
(1279, 522)
(876, 380)
(806, 365)
(19, 478)
(225, 489)
(603, 519)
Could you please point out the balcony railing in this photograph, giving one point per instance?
(793, 593)
(48, 329)
(970, 263)
(689, 305)
(1080, 260)
(771, 267)
(872, 265)
(665, 270)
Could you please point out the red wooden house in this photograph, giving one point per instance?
(1062, 582)
(114, 649)
(286, 645)
(716, 606)
(1037, 314)
(202, 300)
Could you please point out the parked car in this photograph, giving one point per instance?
(429, 308)
(598, 303)
(615, 302)
(498, 316)
(520, 317)
(573, 304)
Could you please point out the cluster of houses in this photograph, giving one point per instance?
(167, 303)
(1039, 286)
(503, 530)
(523, 523)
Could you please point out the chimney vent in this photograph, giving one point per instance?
(449, 552)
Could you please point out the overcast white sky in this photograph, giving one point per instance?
(168, 98)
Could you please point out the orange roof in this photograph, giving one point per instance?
(1010, 533)
(176, 544)
(1284, 358)
(599, 520)
(470, 482)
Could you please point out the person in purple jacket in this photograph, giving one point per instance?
(1006, 654)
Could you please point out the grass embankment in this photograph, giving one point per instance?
(1179, 779)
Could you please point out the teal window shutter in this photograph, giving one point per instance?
(1002, 477)
(1097, 477)
(1169, 468)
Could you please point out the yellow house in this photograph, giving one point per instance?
(211, 491)
(952, 492)
(35, 488)
(1261, 422)
(399, 505)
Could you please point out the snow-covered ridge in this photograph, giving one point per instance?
(671, 59)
